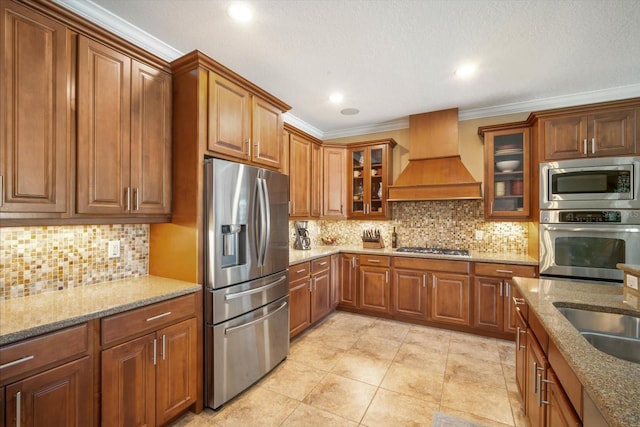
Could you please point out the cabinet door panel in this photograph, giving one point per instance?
(333, 182)
(320, 295)
(348, 280)
(128, 383)
(535, 372)
(150, 140)
(104, 111)
(450, 299)
(60, 396)
(488, 303)
(177, 369)
(410, 293)
(613, 133)
(299, 307)
(564, 137)
(374, 289)
(229, 118)
(300, 176)
(316, 181)
(560, 413)
(267, 134)
(33, 105)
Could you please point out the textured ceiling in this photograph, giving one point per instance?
(392, 58)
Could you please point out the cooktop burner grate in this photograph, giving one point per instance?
(434, 251)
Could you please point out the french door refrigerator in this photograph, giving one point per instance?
(246, 259)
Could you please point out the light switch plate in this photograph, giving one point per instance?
(632, 282)
(479, 234)
(113, 249)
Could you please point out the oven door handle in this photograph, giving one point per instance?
(618, 229)
(232, 329)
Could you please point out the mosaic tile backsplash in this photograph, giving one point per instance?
(444, 224)
(44, 259)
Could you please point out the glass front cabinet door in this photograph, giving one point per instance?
(369, 169)
(507, 174)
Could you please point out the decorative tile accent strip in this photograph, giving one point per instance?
(44, 259)
(444, 224)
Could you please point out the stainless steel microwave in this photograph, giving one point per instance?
(597, 183)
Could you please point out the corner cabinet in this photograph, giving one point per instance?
(507, 173)
(333, 182)
(369, 171)
(305, 174)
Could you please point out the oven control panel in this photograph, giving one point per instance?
(590, 216)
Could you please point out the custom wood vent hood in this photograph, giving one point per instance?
(435, 170)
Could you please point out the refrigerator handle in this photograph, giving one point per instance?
(267, 216)
(262, 221)
(258, 221)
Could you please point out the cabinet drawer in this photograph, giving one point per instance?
(415, 263)
(146, 319)
(320, 264)
(505, 270)
(374, 260)
(299, 271)
(33, 354)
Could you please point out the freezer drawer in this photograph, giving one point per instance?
(246, 348)
(230, 302)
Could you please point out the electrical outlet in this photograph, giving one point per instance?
(479, 234)
(113, 249)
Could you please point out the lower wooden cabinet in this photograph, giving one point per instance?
(151, 379)
(560, 413)
(57, 397)
(348, 280)
(450, 297)
(48, 380)
(409, 293)
(494, 308)
(312, 293)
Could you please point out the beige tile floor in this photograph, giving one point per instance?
(355, 370)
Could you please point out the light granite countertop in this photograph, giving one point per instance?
(298, 256)
(33, 315)
(612, 383)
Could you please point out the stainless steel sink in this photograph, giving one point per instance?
(612, 333)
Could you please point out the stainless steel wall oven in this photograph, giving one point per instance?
(587, 244)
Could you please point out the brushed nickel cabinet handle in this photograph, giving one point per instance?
(386, 277)
(18, 408)
(518, 301)
(155, 348)
(375, 261)
(540, 401)
(424, 280)
(302, 270)
(158, 316)
(136, 199)
(501, 285)
(16, 362)
(323, 263)
(585, 146)
(164, 346)
(128, 198)
(518, 345)
(504, 271)
(593, 146)
(507, 288)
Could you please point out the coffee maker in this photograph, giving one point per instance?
(303, 241)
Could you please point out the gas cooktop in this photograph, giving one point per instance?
(434, 251)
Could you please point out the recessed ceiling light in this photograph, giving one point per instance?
(336, 98)
(466, 71)
(350, 111)
(240, 12)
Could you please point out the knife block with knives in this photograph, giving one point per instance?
(371, 239)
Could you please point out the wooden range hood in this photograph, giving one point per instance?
(435, 170)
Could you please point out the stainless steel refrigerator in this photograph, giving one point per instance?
(246, 287)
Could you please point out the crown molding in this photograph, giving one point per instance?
(102, 17)
(303, 126)
(572, 100)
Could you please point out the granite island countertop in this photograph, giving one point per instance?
(33, 315)
(612, 383)
(298, 256)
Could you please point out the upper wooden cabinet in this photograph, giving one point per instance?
(35, 112)
(369, 171)
(507, 176)
(124, 134)
(600, 132)
(305, 175)
(334, 182)
(243, 122)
